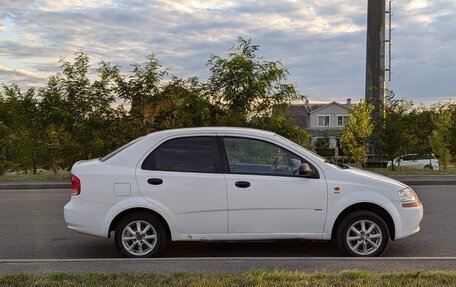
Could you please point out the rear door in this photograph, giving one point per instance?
(183, 176)
(265, 194)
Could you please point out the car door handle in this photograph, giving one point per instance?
(242, 184)
(155, 181)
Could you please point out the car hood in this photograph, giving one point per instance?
(359, 179)
(367, 176)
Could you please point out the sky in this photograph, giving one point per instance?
(322, 43)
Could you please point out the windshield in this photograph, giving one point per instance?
(105, 158)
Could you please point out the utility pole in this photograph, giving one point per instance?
(375, 57)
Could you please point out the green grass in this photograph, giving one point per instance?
(413, 171)
(251, 278)
(40, 175)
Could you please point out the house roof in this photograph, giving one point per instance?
(320, 106)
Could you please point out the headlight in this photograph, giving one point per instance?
(407, 194)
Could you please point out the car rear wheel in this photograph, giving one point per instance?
(428, 166)
(363, 234)
(140, 235)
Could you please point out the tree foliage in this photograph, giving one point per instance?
(77, 116)
(440, 136)
(356, 132)
(248, 91)
(392, 135)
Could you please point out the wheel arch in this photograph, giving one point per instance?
(380, 211)
(124, 213)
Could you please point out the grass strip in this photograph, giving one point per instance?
(251, 278)
(40, 175)
(65, 175)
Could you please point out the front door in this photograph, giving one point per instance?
(183, 176)
(265, 193)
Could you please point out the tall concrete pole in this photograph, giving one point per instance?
(375, 56)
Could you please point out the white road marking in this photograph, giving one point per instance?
(228, 259)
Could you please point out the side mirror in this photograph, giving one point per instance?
(305, 170)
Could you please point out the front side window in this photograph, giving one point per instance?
(252, 156)
(323, 120)
(190, 154)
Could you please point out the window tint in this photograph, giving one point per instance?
(191, 154)
(408, 157)
(259, 157)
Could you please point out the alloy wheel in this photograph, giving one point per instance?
(364, 237)
(139, 238)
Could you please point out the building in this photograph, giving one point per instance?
(323, 121)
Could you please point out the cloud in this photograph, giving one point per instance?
(20, 76)
(21, 72)
(62, 5)
(321, 42)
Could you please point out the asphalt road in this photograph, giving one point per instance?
(33, 228)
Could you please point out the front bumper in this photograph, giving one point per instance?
(407, 219)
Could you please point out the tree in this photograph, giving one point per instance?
(141, 89)
(248, 91)
(182, 104)
(452, 131)
(91, 114)
(5, 139)
(21, 116)
(79, 116)
(392, 135)
(440, 136)
(355, 133)
(420, 125)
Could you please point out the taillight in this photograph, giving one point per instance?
(75, 185)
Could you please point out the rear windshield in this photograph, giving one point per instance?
(120, 149)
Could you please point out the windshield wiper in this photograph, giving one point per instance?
(341, 165)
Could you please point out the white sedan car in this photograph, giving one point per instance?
(234, 184)
(417, 161)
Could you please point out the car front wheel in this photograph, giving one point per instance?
(362, 233)
(140, 235)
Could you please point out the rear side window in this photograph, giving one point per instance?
(189, 154)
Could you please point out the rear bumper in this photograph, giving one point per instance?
(86, 216)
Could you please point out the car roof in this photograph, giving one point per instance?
(212, 130)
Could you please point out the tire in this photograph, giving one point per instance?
(428, 167)
(361, 243)
(149, 242)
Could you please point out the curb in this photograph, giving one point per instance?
(426, 180)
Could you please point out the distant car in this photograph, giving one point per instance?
(417, 161)
(234, 184)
